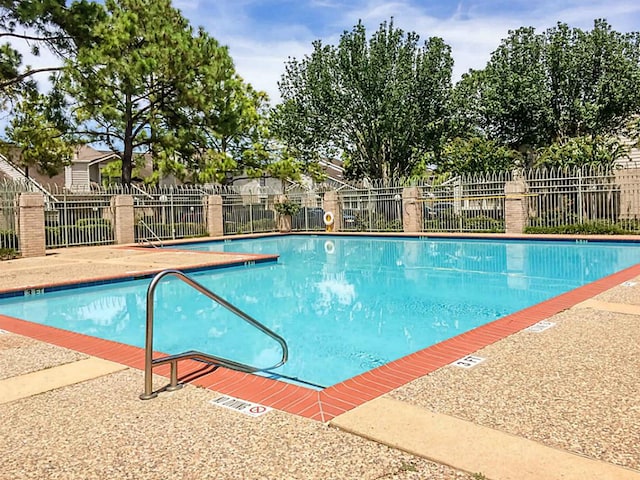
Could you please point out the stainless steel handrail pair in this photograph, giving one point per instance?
(150, 362)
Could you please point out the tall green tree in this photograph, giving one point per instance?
(151, 83)
(467, 112)
(539, 90)
(37, 126)
(228, 131)
(593, 79)
(513, 98)
(380, 103)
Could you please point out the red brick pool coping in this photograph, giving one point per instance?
(328, 403)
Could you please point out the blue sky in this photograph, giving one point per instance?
(262, 34)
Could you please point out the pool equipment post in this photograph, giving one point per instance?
(174, 385)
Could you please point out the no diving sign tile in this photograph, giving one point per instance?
(242, 406)
(541, 326)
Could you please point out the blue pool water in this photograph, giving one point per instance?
(344, 304)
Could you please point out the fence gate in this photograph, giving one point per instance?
(170, 213)
(78, 219)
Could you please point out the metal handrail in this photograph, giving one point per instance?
(150, 362)
(154, 234)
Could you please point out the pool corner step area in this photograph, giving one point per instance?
(34, 383)
(469, 447)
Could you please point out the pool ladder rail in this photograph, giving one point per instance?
(151, 362)
(154, 235)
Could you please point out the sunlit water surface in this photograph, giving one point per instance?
(344, 304)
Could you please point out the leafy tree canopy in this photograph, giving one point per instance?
(41, 141)
(151, 83)
(582, 151)
(472, 155)
(51, 24)
(541, 89)
(380, 103)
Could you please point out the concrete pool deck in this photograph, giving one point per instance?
(571, 390)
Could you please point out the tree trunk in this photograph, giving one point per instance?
(127, 154)
(284, 223)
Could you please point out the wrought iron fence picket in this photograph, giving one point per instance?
(588, 199)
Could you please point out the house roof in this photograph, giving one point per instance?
(87, 154)
(333, 168)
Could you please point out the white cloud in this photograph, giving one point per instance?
(473, 28)
(262, 63)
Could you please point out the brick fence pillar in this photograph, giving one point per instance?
(515, 206)
(213, 212)
(124, 219)
(411, 210)
(31, 225)
(331, 203)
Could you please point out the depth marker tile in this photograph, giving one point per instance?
(468, 362)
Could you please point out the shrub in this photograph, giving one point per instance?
(587, 228)
(264, 224)
(94, 233)
(85, 222)
(632, 225)
(8, 253)
(431, 225)
(286, 208)
(362, 219)
(190, 229)
(84, 232)
(261, 225)
(53, 236)
(168, 231)
(162, 230)
(555, 217)
(383, 225)
(484, 224)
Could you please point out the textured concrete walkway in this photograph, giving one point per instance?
(91, 425)
(86, 263)
(469, 447)
(41, 381)
(566, 396)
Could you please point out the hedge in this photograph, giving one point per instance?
(86, 231)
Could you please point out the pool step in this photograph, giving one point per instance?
(470, 447)
(22, 386)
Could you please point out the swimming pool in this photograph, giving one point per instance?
(344, 304)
